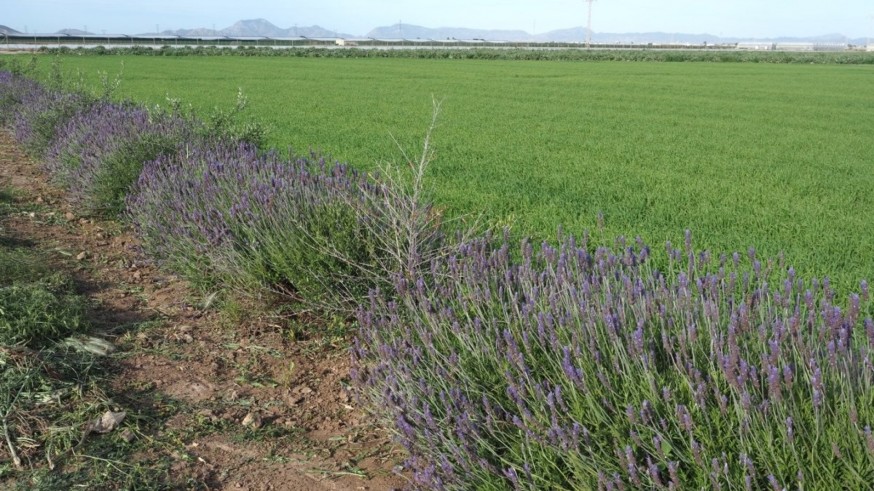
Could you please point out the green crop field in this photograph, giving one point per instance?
(778, 157)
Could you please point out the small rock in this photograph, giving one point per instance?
(302, 389)
(344, 396)
(39, 199)
(82, 221)
(127, 435)
(82, 255)
(253, 419)
(69, 216)
(137, 275)
(108, 422)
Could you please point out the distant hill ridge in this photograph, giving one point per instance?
(264, 28)
(578, 34)
(74, 32)
(259, 28)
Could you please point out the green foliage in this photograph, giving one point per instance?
(45, 127)
(49, 397)
(301, 255)
(120, 170)
(230, 123)
(511, 51)
(37, 313)
(37, 307)
(17, 266)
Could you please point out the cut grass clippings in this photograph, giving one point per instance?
(52, 384)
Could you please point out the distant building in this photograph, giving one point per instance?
(812, 46)
(795, 46)
(831, 47)
(756, 46)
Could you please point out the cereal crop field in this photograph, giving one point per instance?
(775, 157)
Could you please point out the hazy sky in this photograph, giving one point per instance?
(743, 18)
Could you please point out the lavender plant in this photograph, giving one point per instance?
(14, 84)
(12, 89)
(99, 153)
(223, 213)
(39, 113)
(577, 369)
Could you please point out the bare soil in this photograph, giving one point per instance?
(234, 398)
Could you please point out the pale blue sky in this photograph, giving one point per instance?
(742, 18)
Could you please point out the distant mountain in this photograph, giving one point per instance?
(264, 28)
(258, 28)
(578, 35)
(410, 31)
(74, 32)
(570, 35)
(254, 27)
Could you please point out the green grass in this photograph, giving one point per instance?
(778, 157)
(37, 306)
(52, 387)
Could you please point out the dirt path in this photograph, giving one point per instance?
(227, 399)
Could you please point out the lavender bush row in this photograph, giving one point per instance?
(226, 214)
(221, 212)
(95, 147)
(100, 152)
(568, 369)
(38, 112)
(13, 88)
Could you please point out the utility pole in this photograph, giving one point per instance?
(589, 25)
